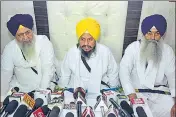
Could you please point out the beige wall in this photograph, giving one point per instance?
(63, 17)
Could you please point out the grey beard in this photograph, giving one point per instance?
(151, 50)
(28, 50)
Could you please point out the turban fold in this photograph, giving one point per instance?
(90, 25)
(25, 20)
(154, 20)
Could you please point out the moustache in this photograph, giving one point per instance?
(153, 40)
(87, 46)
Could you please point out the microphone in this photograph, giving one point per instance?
(127, 107)
(15, 89)
(5, 103)
(102, 111)
(10, 108)
(45, 94)
(140, 111)
(16, 96)
(28, 101)
(79, 95)
(112, 112)
(31, 94)
(111, 115)
(79, 108)
(41, 112)
(56, 101)
(69, 114)
(21, 111)
(101, 104)
(45, 110)
(88, 112)
(54, 112)
(121, 98)
(140, 102)
(79, 90)
(38, 103)
(122, 112)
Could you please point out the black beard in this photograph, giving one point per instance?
(86, 54)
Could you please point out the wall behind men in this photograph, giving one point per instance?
(8, 9)
(166, 8)
(64, 15)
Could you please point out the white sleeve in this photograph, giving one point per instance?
(47, 63)
(112, 71)
(170, 70)
(6, 70)
(126, 65)
(65, 72)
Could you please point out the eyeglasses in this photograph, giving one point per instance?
(27, 33)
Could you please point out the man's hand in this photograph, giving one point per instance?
(173, 110)
(132, 96)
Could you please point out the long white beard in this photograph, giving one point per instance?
(151, 50)
(29, 50)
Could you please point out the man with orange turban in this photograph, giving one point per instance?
(89, 64)
(27, 62)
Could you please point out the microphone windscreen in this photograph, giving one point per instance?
(11, 106)
(126, 107)
(79, 102)
(111, 115)
(140, 111)
(98, 97)
(72, 102)
(6, 101)
(87, 115)
(69, 114)
(38, 103)
(45, 109)
(54, 112)
(16, 89)
(31, 94)
(81, 91)
(21, 111)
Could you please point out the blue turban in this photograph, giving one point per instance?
(154, 20)
(25, 20)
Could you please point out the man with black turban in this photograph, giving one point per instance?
(27, 61)
(89, 62)
(147, 68)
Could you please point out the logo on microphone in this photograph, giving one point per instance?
(28, 100)
(137, 101)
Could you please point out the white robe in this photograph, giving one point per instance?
(16, 72)
(103, 66)
(133, 76)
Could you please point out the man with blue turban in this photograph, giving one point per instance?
(147, 68)
(27, 62)
(89, 63)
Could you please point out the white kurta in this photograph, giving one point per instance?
(134, 76)
(16, 71)
(103, 67)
